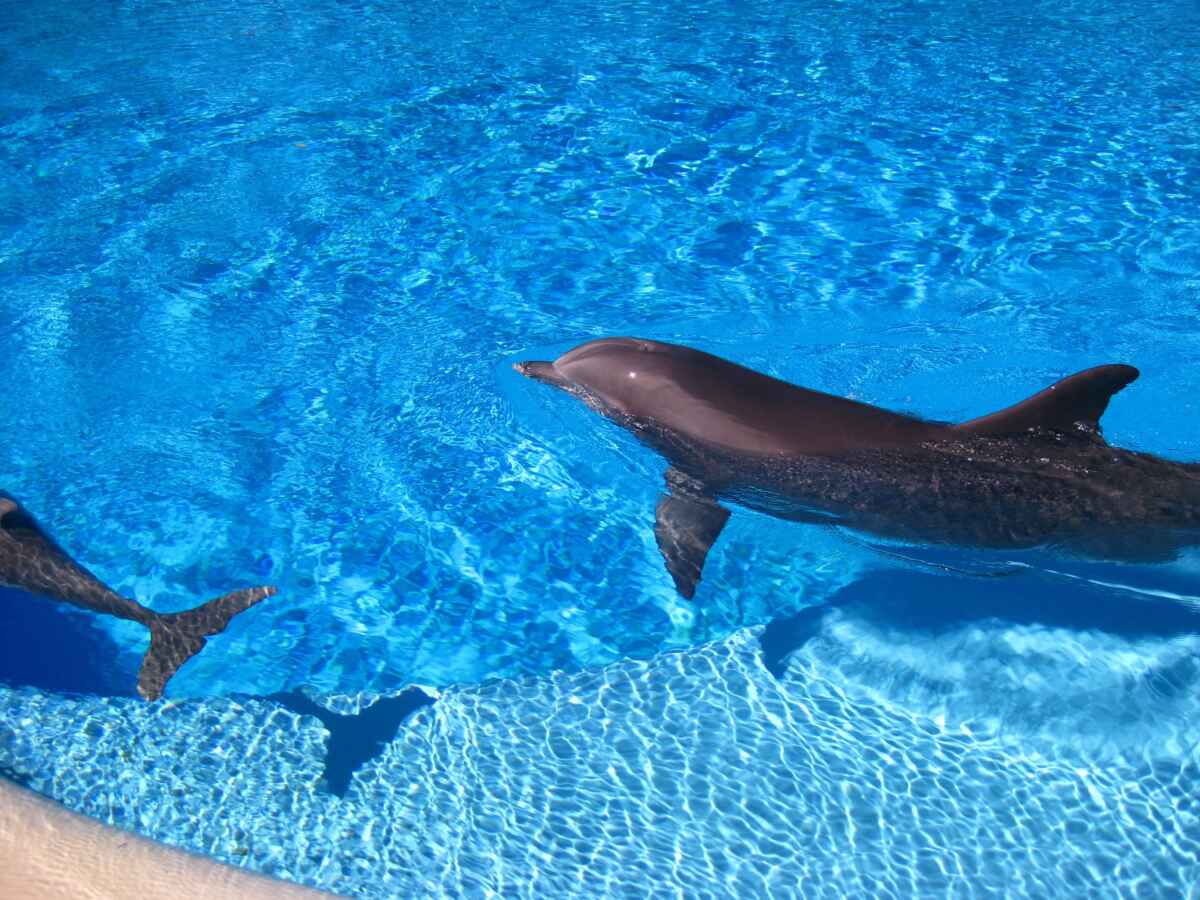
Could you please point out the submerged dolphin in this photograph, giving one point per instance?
(1038, 473)
(31, 561)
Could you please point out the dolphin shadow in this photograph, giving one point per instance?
(903, 600)
(355, 739)
(56, 649)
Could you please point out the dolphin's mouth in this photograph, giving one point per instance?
(542, 371)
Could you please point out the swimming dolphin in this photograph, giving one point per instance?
(1037, 473)
(31, 561)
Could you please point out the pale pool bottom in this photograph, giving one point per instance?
(691, 774)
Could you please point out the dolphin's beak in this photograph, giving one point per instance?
(541, 371)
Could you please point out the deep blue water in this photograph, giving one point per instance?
(264, 269)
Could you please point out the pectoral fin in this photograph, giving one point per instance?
(687, 522)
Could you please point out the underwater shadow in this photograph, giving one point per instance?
(59, 650)
(933, 603)
(355, 739)
(46, 646)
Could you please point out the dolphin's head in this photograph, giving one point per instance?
(620, 375)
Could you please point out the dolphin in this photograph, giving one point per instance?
(1035, 474)
(31, 561)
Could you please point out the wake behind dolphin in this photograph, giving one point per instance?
(31, 561)
(1037, 473)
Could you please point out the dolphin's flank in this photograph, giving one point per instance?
(31, 561)
(1037, 473)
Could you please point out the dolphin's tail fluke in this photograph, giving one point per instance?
(177, 637)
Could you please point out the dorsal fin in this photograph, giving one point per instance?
(1082, 397)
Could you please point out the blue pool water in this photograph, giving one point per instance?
(264, 269)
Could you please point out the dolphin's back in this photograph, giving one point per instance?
(732, 408)
(699, 399)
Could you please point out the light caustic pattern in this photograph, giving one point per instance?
(693, 774)
(262, 274)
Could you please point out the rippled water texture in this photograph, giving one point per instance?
(692, 774)
(263, 271)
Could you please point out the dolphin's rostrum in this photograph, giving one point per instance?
(31, 561)
(1037, 473)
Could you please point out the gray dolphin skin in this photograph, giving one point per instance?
(1035, 474)
(31, 561)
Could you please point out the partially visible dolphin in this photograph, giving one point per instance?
(31, 561)
(1037, 473)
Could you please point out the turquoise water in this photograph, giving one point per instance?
(263, 272)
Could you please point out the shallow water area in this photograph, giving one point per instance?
(693, 771)
(263, 274)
